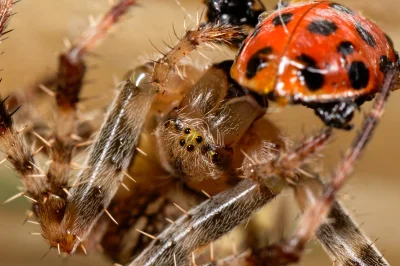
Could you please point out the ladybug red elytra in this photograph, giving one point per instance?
(319, 54)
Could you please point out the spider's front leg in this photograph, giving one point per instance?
(103, 172)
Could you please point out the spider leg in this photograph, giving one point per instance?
(150, 210)
(68, 81)
(199, 228)
(71, 73)
(19, 155)
(108, 160)
(341, 237)
(53, 202)
(290, 251)
(210, 33)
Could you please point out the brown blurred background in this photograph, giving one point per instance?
(372, 195)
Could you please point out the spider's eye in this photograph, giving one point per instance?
(199, 139)
(187, 131)
(190, 148)
(182, 142)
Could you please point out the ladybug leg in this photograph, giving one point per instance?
(337, 115)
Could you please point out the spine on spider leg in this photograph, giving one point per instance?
(341, 228)
(71, 73)
(204, 34)
(17, 153)
(204, 224)
(110, 155)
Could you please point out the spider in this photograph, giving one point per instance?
(212, 151)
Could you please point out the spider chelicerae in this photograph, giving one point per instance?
(210, 151)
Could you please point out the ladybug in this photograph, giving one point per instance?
(319, 54)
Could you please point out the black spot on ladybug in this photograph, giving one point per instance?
(358, 75)
(341, 8)
(284, 18)
(322, 26)
(385, 64)
(365, 35)
(257, 62)
(311, 75)
(307, 59)
(345, 48)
